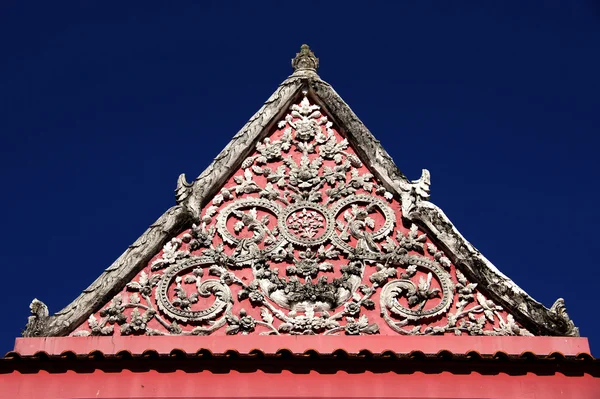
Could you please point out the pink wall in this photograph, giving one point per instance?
(180, 384)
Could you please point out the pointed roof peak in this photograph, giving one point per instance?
(305, 61)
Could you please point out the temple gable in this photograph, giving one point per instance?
(302, 225)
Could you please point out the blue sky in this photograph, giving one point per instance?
(103, 105)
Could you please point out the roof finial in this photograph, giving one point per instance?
(305, 61)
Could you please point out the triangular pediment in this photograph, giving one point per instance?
(303, 225)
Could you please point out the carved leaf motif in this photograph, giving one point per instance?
(189, 279)
(368, 304)
(389, 245)
(445, 262)
(134, 299)
(143, 278)
(134, 285)
(329, 253)
(93, 322)
(238, 226)
(326, 267)
(266, 316)
(363, 321)
(461, 277)
(348, 216)
(431, 248)
(218, 200)
(370, 329)
(354, 161)
(211, 211)
(246, 164)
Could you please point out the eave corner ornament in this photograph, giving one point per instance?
(302, 236)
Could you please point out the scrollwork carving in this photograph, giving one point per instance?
(175, 309)
(418, 295)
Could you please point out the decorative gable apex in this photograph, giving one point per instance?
(302, 225)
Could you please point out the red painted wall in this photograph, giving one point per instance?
(179, 384)
(408, 379)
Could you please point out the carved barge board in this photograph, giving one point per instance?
(303, 224)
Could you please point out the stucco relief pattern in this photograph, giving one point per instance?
(302, 239)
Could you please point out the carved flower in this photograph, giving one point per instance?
(301, 323)
(218, 256)
(227, 278)
(145, 284)
(413, 240)
(308, 265)
(272, 150)
(138, 323)
(264, 274)
(475, 324)
(352, 328)
(171, 254)
(252, 292)
(115, 311)
(182, 300)
(352, 308)
(96, 328)
(246, 184)
(306, 129)
(247, 323)
(355, 327)
(199, 237)
(256, 298)
(270, 192)
(331, 149)
(382, 274)
(305, 323)
(243, 324)
(305, 175)
(322, 291)
(317, 323)
(175, 329)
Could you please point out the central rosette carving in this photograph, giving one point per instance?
(306, 224)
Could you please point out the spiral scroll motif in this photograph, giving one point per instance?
(205, 288)
(404, 287)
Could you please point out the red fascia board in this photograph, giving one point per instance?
(485, 345)
(287, 384)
